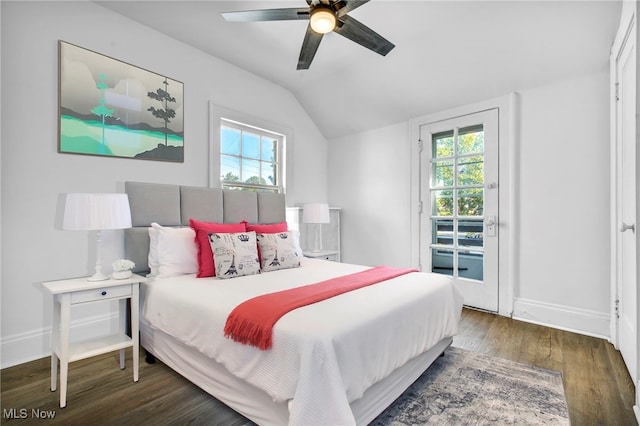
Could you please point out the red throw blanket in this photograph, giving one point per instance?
(251, 322)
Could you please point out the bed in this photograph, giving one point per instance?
(341, 361)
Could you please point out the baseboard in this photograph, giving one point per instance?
(636, 410)
(36, 344)
(583, 321)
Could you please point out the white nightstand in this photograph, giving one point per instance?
(326, 255)
(72, 292)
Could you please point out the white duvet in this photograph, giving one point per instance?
(325, 355)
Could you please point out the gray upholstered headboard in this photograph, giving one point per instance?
(174, 205)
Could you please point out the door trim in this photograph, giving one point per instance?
(508, 163)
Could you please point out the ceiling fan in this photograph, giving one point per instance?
(324, 16)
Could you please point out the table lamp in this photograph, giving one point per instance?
(316, 213)
(97, 212)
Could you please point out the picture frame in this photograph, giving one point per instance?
(107, 107)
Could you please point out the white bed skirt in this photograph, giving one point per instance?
(255, 404)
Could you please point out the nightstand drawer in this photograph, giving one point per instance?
(331, 257)
(101, 294)
(325, 255)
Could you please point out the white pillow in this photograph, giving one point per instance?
(296, 240)
(278, 251)
(152, 259)
(177, 251)
(235, 255)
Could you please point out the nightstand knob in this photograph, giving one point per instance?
(104, 293)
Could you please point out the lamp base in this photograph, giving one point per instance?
(98, 276)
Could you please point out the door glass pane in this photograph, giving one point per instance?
(470, 202)
(442, 144)
(470, 233)
(442, 202)
(471, 170)
(471, 264)
(442, 173)
(442, 261)
(442, 231)
(471, 140)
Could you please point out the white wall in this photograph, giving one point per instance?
(564, 211)
(35, 176)
(369, 179)
(562, 269)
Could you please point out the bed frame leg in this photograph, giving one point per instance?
(150, 358)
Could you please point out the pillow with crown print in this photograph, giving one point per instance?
(278, 251)
(235, 255)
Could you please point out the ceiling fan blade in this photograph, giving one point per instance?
(309, 47)
(355, 31)
(345, 6)
(289, 14)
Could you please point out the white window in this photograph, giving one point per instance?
(250, 157)
(248, 152)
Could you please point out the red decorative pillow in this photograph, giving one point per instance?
(269, 228)
(205, 254)
(266, 228)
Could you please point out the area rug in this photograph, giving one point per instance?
(469, 388)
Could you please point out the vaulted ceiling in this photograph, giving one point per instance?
(448, 53)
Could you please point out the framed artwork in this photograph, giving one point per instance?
(110, 108)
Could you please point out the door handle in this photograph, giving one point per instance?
(624, 227)
(490, 222)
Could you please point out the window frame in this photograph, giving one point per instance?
(217, 116)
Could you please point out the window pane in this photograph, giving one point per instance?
(442, 173)
(243, 188)
(470, 265)
(471, 170)
(471, 140)
(269, 146)
(470, 233)
(269, 173)
(442, 261)
(252, 158)
(442, 144)
(229, 168)
(443, 231)
(470, 202)
(251, 171)
(250, 145)
(442, 202)
(229, 141)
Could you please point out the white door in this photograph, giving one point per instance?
(459, 190)
(625, 202)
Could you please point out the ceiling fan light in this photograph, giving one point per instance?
(322, 20)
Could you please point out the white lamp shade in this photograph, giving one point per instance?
(93, 212)
(315, 213)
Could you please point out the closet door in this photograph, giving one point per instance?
(624, 209)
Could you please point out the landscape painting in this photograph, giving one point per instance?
(110, 108)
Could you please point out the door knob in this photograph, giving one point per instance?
(490, 222)
(623, 227)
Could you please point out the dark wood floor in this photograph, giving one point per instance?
(598, 388)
